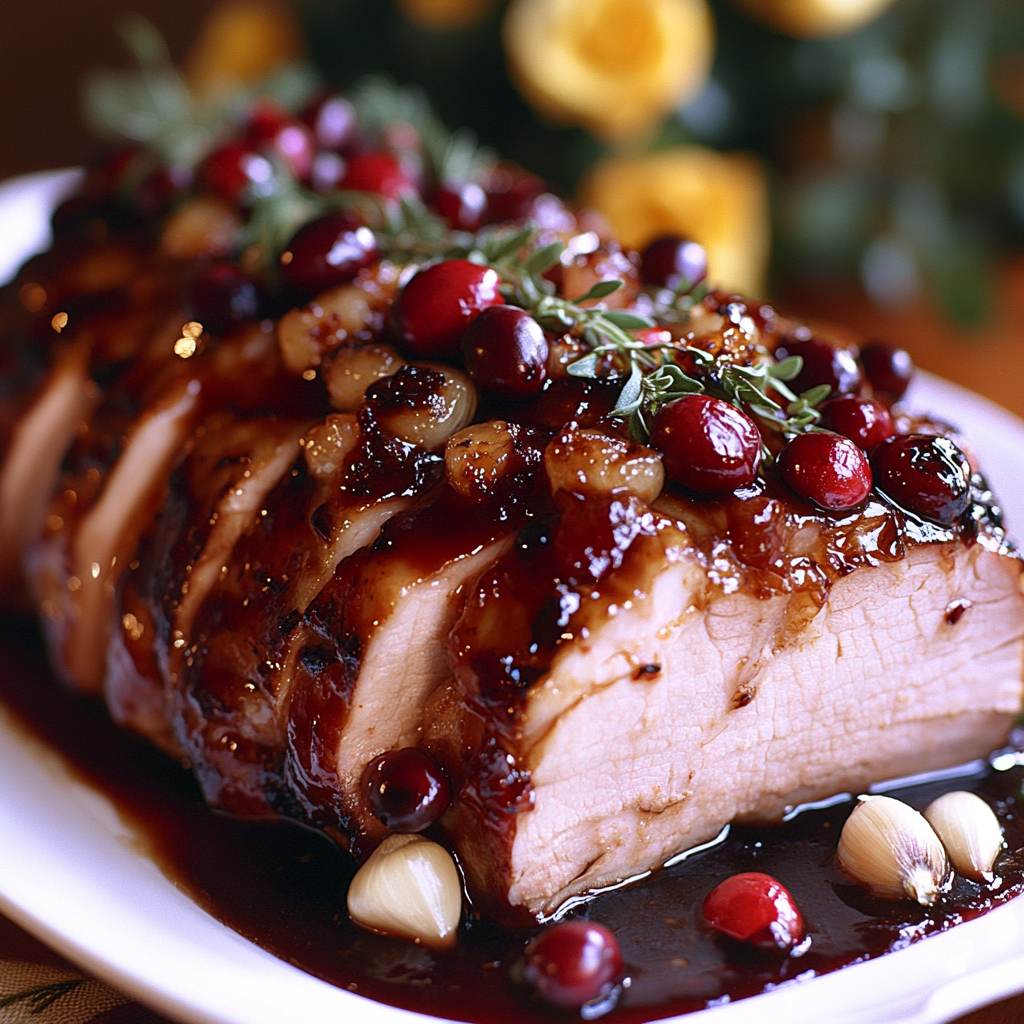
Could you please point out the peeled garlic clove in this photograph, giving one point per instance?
(408, 887)
(969, 830)
(889, 847)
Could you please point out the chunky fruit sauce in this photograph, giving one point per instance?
(283, 887)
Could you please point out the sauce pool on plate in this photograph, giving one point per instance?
(283, 887)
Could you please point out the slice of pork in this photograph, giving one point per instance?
(679, 707)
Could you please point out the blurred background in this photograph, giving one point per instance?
(860, 161)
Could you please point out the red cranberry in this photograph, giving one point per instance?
(571, 963)
(928, 476)
(406, 789)
(327, 252)
(275, 133)
(889, 369)
(328, 171)
(378, 172)
(463, 206)
(439, 303)
(333, 121)
(512, 194)
(828, 469)
(755, 908)
(673, 262)
(863, 420)
(223, 295)
(506, 352)
(709, 445)
(824, 363)
(235, 170)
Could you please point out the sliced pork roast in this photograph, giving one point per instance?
(286, 547)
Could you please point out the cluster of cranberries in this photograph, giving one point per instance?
(711, 447)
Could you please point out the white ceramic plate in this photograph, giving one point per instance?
(71, 873)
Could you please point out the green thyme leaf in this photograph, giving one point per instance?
(787, 369)
(585, 367)
(542, 260)
(631, 394)
(628, 321)
(601, 290)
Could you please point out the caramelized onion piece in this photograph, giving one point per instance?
(476, 458)
(352, 369)
(593, 462)
(328, 444)
(423, 404)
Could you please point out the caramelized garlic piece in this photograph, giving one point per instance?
(593, 462)
(476, 458)
(970, 832)
(890, 848)
(409, 887)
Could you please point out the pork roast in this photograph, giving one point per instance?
(289, 551)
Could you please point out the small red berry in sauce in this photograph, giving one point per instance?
(709, 445)
(888, 368)
(512, 194)
(273, 132)
(863, 420)
(332, 120)
(406, 789)
(439, 303)
(824, 363)
(757, 909)
(378, 172)
(925, 475)
(570, 964)
(506, 352)
(828, 469)
(462, 205)
(224, 295)
(327, 252)
(235, 170)
(673, 262)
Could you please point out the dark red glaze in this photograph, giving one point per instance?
(757, 909)
(406, 789)
(439, 303)
(273, 132)
(889, 369)
(926, 475)
(828, 469)
(327, 252)
(381, 173)
(824, 363)
(709, 445)
(235, 170)
(506, 352)
(571, 963)
(674, 262)
(223, 295)
(462, 205)
(332, 120)
(863, 420)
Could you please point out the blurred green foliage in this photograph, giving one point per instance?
(893, 160)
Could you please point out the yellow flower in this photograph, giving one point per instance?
(717, 199)
(241, 42)
(445, 15)
(810, 18)
(614, 66)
